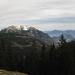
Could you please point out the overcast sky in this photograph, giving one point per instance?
(42, 14)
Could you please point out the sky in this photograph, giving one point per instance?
(42, 14)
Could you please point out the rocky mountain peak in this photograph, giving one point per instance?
(31, 31)
(13, 28)
(32, 28)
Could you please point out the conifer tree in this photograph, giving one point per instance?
(2, 54)
(62, 40)
(42, 61)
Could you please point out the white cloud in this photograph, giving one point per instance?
(55, 26)
(27, 11)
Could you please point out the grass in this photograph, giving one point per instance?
(15, 44)
(4, 72)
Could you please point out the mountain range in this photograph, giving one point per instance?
(68, 34)
(59, 32)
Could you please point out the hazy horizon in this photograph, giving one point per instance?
(41, 14)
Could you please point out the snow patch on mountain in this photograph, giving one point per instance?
(19, 27)
(25, 28)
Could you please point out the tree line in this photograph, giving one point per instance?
(51, 60)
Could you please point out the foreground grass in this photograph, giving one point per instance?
(4, 72)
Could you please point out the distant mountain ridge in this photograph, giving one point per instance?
(66, 36)
(29, 31)
(59, 32)
(55, 34)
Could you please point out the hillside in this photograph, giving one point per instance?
(27, 54)
(29, 32)
(19, 45)
(4, 72)
(20, 41)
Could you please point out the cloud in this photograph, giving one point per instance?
(52, 26)
(41, 12)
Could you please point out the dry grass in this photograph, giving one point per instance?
(15, 44)
(4, 72)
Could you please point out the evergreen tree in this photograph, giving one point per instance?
(3, 63)
(62, 40)
(51, 60)
(42, 61)
(9, 55)
(31, 61)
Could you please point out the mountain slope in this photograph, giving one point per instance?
(30, 32)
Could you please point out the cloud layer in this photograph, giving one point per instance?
(43, 14)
